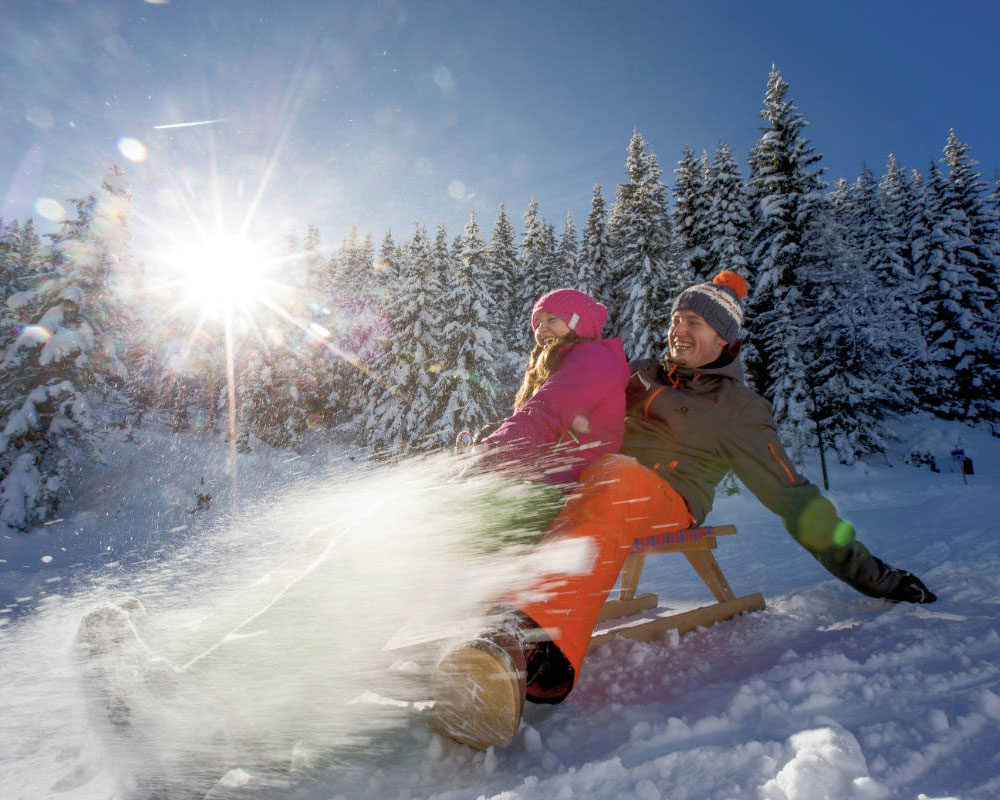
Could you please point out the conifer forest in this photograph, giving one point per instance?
(869, 299)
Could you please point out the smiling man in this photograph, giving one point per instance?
(691, 419)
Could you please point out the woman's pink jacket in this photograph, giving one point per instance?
(576, 417)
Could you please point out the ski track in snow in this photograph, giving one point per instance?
(824, 694)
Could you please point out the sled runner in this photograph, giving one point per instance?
(638, 616)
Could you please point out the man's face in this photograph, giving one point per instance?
(693, 342)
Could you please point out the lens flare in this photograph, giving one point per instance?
(445, 81)
(132, 149)
(50, 209)
(36, 333)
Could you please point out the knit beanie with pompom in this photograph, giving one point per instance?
(579, 311)
(720, 303)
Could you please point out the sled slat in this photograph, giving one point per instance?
(613, 609)
(654, 629)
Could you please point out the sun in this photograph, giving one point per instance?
(222, 275)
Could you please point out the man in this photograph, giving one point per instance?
(690, 419)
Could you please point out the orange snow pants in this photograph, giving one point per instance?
(618, 500)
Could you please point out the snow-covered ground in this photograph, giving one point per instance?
(825, 694)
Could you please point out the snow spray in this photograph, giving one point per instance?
(295, 635)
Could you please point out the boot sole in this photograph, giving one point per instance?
(480, 696)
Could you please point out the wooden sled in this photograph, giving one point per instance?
(638, 616)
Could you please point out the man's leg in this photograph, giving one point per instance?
(618, 501)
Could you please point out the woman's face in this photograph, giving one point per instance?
(549, 327)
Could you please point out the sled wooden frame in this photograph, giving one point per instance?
(697, 545)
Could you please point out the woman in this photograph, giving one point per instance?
(569, 411)
(570, 408)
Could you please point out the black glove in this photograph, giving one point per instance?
(909, 589)
(486, 430)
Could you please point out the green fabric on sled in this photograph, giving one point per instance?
(514, 513)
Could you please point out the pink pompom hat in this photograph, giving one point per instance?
(579, 311)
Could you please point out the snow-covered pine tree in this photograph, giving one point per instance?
(788, 232)
(554, 278)
(355, 304)
(62, 367)
(536, 257)
(278, 386)
(648, 302)
(690, 217)
(593, 274)
(467, 393)
(569, 255)
(20, 265)
(980, 255)
(850, 385)
(503, 267)
(7, 244)
(728, 217)
(900, 205)
(504, 272)
(328, 324)
(875, 256)
(428, 315)
(8, 273)
(402, 381)
(952, 305)
(445, 261)
(639, 229)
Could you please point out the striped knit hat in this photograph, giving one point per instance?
(719, 302)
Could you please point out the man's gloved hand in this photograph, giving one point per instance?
(909, 589)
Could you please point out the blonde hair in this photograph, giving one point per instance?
(542, 364)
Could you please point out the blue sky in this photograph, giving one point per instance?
(386, 113)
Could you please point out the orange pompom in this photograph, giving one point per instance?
(733, 281)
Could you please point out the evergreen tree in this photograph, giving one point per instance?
(952, 306)
(788, 234)
(537, 257)
(569, 256)
(405, 381)
(994, 197)
(503, 274)
(552, 274)
(280, 381)
(646, 301)
(20, 267)
(467, 392)
(850, 381)
(361, 326)
(639, 229)
(690, 217)
(728, 218)
(889, 287)
(978, 254)
(61, 367)
(594, 265)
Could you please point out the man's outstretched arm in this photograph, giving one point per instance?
(760, 461)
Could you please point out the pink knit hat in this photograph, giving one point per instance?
(579, 311)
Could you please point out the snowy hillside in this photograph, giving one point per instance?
(825, 694)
